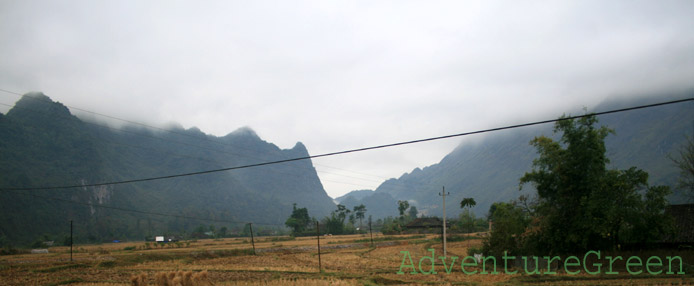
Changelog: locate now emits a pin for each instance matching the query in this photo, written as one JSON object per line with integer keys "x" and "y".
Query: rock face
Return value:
{"x": 489, "y": 169}
{"x": 378, "y": 205}
{"x": 42, "y": 144}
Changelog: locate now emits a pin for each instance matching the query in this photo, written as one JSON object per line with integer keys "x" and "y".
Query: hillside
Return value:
{"x": 377, "y": 204}
{"x": 42, "y": 144}
{"x": 488, "y": 169}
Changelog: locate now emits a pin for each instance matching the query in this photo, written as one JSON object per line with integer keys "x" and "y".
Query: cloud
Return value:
{"x": 339, "y": 75}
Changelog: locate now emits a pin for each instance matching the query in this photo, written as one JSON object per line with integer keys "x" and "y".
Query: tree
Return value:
{"x": 200, "y": 230}
{"x": 468, "y": 202}
{"x": 581, "y": 204}
{"x": 686, "y": 165}
{"x": 402, "y": 207}
{"x": 247, "y": 230}
{"x": 223, "y": 231}
{"x": 510, "y": 222}
{"x": 360, "y": 210}
{"x": 335, "y": 223}
{"x": 342, "y": 212}
{"x": 298, "y": 221}
{"x": 412, "y": 213}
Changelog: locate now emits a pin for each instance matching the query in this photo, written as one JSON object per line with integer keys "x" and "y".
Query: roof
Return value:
{"x": 425, "y": 222}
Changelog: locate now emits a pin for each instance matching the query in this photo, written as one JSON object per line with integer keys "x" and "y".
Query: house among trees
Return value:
{"x": 683, "y": 217}
{"x": 425, "y": 225}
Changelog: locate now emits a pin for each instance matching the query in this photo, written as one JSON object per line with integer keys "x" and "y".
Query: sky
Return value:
{"x": 339, "y": 75}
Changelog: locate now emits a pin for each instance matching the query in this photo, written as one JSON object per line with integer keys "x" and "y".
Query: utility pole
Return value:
{"x": 444, "y": 194}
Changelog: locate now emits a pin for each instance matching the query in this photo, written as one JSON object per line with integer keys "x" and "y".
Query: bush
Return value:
{"x": 510, "y": 222}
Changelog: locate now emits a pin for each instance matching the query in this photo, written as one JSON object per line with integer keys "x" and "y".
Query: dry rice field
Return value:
{"x": 345, "y": 260}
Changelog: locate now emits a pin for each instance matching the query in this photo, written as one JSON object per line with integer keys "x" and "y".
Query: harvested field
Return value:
{"x": 345, "y": 260}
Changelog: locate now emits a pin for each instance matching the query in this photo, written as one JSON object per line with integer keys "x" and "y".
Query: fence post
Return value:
{"x": 371, "y": 234}
{"x": 252, "y": 240}
{"x": 70, "y": 240}
{"x": 318, "y": 237}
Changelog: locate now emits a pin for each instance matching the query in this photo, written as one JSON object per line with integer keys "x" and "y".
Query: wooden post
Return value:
{"x": 371, "y": 233}
{"x": 252, "y": 240}
{"x": 70, "y": 240}
{"x": 318, "y": 236}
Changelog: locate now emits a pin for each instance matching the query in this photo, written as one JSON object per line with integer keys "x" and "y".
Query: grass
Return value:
{"x": 279, "y": 238}
{"x": 58, "y": 268}
{"x": 389, "y": 238}
{"x": 66, "y": 282}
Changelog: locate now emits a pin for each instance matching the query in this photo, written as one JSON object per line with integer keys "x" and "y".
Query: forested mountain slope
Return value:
{"x": 488, "y": 169}
{"x": 42, "y": 144}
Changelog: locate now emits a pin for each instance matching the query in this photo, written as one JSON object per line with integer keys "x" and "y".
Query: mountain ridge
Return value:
{"x": 64, "y": 150}
{"x": 488, "y": 169}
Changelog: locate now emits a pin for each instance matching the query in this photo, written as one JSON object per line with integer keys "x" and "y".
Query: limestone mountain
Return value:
{"x": 488, "y": 168}
{"x": 378, "y": 205}
{"x": 43, "y": 144}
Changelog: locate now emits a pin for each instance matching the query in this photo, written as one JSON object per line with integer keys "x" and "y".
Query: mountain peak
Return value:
{"x": 300, "y": 147}
{"x": 37, "y": 95}
{"x": 37, "y": 103}
{"x": 245, "y": 131}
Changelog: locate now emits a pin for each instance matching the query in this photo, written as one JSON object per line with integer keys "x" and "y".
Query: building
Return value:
{"x": 425, "y": 225}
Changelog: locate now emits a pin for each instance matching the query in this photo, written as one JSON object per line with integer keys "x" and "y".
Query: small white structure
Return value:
{"x": 39, "y": 251}
{"x": 159, "y": 238}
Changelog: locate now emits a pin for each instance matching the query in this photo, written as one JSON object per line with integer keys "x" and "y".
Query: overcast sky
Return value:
{"x": 344, "y": 74}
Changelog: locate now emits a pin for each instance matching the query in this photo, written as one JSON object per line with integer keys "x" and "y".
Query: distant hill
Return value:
{"x": 489, "y": 169}
{"x": 42, "y": 144}
{"x": 378, "y": 205}
{"x": 358, "y": 194}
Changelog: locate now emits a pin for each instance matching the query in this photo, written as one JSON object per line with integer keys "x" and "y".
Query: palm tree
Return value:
{"x": 359, "y": 211}
{"x": 468, "y": 202}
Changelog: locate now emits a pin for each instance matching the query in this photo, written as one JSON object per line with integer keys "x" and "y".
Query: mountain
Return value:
{"x": 358, "y": 195}
{"x": 488, "y": 169}
{"x": 377, "y": 204}
{"x": 43, "y": 144}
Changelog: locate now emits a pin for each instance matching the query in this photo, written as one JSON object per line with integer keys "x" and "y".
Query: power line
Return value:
{"x": 162, "y": 129}
{"x": 188, "y": 144}
{"x": 187, "y": 135}
{"x": 355, "y": 150}
{"x": 139, "y": 211}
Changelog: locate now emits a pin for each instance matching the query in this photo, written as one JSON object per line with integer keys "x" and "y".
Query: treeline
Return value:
{"x": 580, "y": 205}
{"x": 340, "y": 221}
{"x": 345, "y": 221}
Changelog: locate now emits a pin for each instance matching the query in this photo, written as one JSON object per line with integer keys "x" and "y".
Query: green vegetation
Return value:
{"x": 468, "y": 222}
{"x": 60, "y": 268}
{"x": 510, "y": 222}
{"x": 686, "y": 165}
{"x": 488, "y": 167}
{"x": 359, "y": 211}
{"x": 298, "y": 221}
{"x": 335, "y": 223}
{"x": 42, "y": 144}
{"x": 468, "y": 203}
{"x": 581, "y": 204}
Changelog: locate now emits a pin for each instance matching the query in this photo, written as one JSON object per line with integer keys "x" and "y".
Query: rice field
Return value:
{"x": 344, "y": 260}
